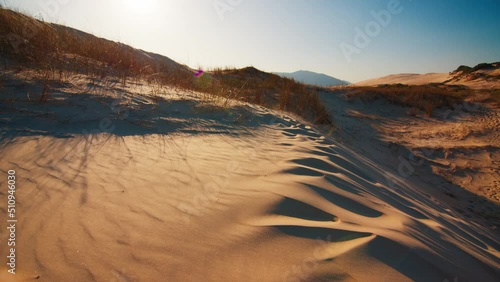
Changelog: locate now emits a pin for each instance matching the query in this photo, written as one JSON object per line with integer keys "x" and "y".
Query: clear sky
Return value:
{"x": 341, "y": 38}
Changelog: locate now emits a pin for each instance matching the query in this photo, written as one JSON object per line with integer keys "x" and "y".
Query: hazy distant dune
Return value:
{"x": 407, "y": 78}
{"x": 481, "y": 76}
{"x": 313, "y": 78}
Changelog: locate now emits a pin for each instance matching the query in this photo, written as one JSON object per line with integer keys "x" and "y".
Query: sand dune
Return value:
{"x": 407, "y": 78}
{"x": 184, "y": 190}
{"x": 483, "y": 76}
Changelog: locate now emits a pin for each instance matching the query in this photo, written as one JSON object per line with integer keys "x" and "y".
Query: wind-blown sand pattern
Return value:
{"x": 208, "y": 194}
{"x": 455, "y": 152}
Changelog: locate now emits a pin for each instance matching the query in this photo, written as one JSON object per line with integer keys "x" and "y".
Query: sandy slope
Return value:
{"x": 406, "y": 78}
{"x": 182, "y": 190}
{"x": 447, "y": 78}
{"x": 460, "y": 144}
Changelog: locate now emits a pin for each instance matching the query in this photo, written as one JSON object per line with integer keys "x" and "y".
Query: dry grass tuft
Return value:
{"x": 58, "y": 52}
{"x": 425, "y": 98}
{"x": 270, "y": 90}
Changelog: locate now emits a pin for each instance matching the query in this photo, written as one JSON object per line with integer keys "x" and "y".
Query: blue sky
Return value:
{"x": 288, "y": 35}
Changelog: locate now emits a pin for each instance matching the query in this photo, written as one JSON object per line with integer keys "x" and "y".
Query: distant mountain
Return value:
{"x": 313, "y": 78}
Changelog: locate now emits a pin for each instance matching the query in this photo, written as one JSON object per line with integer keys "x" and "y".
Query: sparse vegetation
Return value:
{"x": 482, "y": 66}
{"x": 59, "y": 51}
{"x": 270, "y": 90}
{"x": 45, "y": 95}
{"x": 424, "y": 98}
{"x": 32, "y": 43}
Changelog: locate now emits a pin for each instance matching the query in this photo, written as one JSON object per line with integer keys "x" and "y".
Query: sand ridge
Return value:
{"x": 212, "y": 194}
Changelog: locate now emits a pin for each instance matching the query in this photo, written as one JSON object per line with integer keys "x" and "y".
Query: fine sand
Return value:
{"x": 455, "y": 153}
{"x": 124, "y": 186}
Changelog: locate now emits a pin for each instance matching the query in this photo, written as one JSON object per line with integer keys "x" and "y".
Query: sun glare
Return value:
{"x": 139, "y": 6}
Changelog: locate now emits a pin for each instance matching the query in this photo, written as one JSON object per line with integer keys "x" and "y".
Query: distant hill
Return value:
{"x": 313, "y": 78}
{"x": 481, "y": 76}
